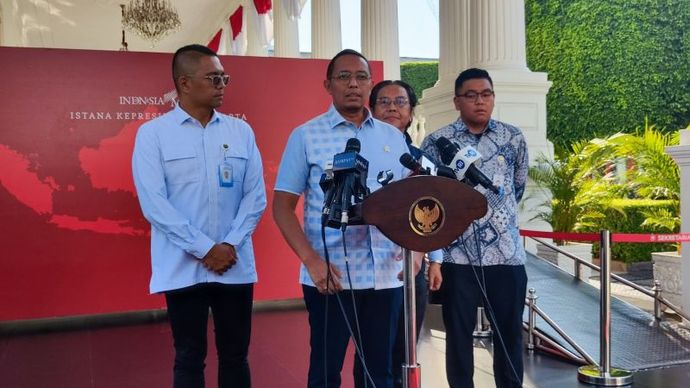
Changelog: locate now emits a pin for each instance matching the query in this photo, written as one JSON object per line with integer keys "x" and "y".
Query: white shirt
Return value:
{"x": 176, "y": 166}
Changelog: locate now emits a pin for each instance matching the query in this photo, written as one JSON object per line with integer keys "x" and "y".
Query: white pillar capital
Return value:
{"x": 498, "y": 34}
{"x": 454, "y": 39}
{"x": 380, "y": 35}
{"x": 256, "y": 33}
{"x": 325, "y": 28}
{"x": 285, "y": 32}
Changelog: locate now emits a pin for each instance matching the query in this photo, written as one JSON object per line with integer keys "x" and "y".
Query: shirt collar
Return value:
{"x": 180, "y": 115}
{"x": 334, "y": 118}
{"x": 461, "y": 126}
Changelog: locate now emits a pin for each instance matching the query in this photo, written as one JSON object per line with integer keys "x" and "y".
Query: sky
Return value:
{"x": 417, "y": 23}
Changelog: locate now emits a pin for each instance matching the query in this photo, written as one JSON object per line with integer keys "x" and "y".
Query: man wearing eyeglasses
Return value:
{"x": 485, "y": 266}
{"x": 199, "y": 180}
{"x": 365, "y": 281}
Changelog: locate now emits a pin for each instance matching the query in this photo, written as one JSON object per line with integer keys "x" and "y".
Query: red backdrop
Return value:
{"x": 72, "y": 236}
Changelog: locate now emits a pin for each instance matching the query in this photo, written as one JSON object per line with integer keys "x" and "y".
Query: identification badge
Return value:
{"x": 225, "y": 174}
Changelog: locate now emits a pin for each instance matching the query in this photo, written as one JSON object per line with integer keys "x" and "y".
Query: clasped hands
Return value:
{"x": 434, "y": 276}
{"x": 220, "y": 258}
{"x": 325, "y": 284}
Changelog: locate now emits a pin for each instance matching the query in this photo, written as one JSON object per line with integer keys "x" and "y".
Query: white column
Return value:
{"x": 454, "y": 38}
{"x": 2, "y": 26}
{"x": 498, "y": 28}
{"x": 285, "y": 32}
{"x": 256, "y": 45}
{"x": 437, "y": 107}
{"x": 225, "y": 44}
{"x": 490, "y": 34}
{"x": 681, "y": 154}
{"x": 325, "y": 28}
{"x": 380, "y": 35}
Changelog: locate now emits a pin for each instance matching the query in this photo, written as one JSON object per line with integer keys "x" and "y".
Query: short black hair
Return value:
{"x": 471, "y": 73}
{"x": 331, "y": 64}
{"x": 184, "y": 56}
{"x": 411, "y": 95}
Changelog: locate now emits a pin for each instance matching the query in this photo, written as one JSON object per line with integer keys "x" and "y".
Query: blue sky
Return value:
{"x": 417, "y": 21}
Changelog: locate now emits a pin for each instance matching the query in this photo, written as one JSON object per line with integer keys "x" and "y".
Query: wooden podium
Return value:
{"x": 421, "y": 213}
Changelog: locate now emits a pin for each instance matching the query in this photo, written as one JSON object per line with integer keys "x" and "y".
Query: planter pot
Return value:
{"x": 617, "y": 267}
{"x": 667, "y": 271}
{"x": 583, "y": 251}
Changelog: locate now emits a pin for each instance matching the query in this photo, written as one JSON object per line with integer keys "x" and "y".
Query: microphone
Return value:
{"x": 462, "y": 163}
{"x": 328, "y": 187}
{"x": 445, "y": 172}
{"x": 413, "y": 165}
{"x": 427, "y": 167}
{"x": 350, "y": 174}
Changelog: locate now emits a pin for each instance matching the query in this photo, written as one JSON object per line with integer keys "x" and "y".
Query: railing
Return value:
{"x": 601, "y": 373}
{"x": 655, "y": 293}
{"x": 533, "y": 334}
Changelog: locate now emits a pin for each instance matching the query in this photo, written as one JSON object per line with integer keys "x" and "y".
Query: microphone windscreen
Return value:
{"x": 408, "y": 161}
{"x": 446, "y": 149}
{"x": 353, "y": 145}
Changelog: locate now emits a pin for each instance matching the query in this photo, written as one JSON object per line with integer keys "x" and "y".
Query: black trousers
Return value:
{"x": 377, "y": 313}
{"x": 505, "y": 288}
{"x": 421, "y": 292}
{"x": 231, "y": 307}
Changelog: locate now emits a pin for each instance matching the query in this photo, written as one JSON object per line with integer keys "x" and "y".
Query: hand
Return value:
{"x": 416, "y": 266}
{"x": 318, "y": 271}
{"x": 435, "y": 277}
{"x": 220, "y": 258}
{"x": 417, "y": 258}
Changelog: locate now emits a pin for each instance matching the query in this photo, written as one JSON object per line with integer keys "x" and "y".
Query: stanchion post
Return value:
{"x": 482, "y": 329}
{"x": 657, "y": 304}
{"x": 532, "y": 319}
{"x": 411, "y": 369}
{"x": 603, "y": 374}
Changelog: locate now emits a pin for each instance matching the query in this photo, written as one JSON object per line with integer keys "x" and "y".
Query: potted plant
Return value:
{"x": 656, "y": 176}
{"x": 558, "y": 181}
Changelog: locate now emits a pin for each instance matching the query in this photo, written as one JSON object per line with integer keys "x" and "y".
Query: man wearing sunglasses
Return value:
{"x": 199, "y": 180}
{"x": 485, "y": 266}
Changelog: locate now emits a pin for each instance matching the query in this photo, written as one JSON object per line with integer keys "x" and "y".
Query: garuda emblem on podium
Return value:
{"x": 426, "y": 216}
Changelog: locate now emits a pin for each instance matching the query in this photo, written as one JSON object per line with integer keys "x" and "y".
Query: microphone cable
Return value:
{"x": 482, "y": 288}
{"x": 325, "y": 315}
{"x": 358, "y": 348}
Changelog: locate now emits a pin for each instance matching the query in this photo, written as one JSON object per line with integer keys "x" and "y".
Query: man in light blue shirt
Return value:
{"x": 199, "y": 180}
{"x": 372, "y": 264}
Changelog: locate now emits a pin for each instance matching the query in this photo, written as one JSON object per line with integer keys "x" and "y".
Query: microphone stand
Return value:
{"x": 411, "y": 370}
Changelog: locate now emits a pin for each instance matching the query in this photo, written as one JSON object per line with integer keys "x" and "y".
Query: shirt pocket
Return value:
{"x": 181, "y": 165}
{"x": 238, "y": 160}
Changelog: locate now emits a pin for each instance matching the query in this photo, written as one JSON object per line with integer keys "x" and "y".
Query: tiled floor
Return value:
{"x": 141, "y": 356}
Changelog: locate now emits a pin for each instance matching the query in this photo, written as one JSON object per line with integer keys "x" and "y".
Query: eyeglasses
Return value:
{"x": 399, "y": 101}
{"x": 346, "y": 77}
{"x": 216, "y": 79}
{"x": 474, "y": 96}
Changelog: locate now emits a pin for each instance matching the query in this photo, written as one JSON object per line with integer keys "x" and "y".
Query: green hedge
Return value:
{"x": 612, "y": 64}
{"x": 420, "y": 75}
{"x": 631, "y": 223}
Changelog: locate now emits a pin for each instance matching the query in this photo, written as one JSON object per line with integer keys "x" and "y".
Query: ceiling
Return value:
{"x": 95, "y": 24}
